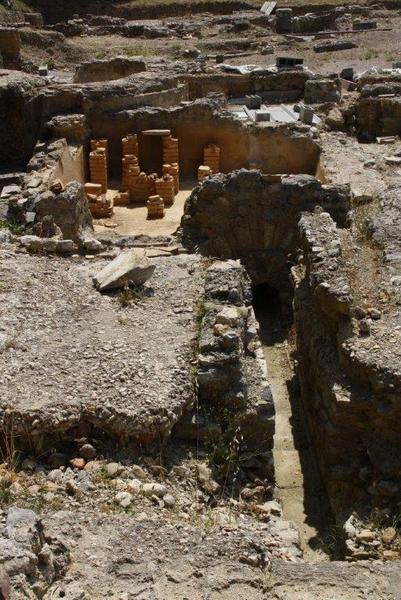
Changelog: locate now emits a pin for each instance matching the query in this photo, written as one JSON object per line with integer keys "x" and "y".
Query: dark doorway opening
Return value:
{"x": 266, "y": 297}
{"x": 151, "y": 154}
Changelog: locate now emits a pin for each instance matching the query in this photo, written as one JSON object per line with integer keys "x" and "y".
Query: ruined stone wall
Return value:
{"x": 59, "y": 10}
{"x": 104, "y": 70}
{"x": 280, "y": 86}
{"x": 378, "y": 116}
{"x": 114, "y": 96}
{"x": 247, "y": 215}
{"x": 234, "y": 396}
{"x": 20, "y": 115}
{"x": 231, "y": 365}
{"x": 275, "y": 148}
{"x": 348, "y": 369}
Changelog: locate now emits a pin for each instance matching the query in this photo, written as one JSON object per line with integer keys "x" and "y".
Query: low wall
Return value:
{"x": 93, "y": 100}
{"x": 55, "y": 11}
{"x": 275, "y": 85}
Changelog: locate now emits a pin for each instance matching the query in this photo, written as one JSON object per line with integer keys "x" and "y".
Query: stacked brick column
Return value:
{"x": 211, "y": 157}
{"x": 129, "y": 162}
{"x": 173, "y": 170}
{"x": 130, "y": 144}
{"x": 100, "y": 206}
{"x": 155, "y": 206}
{"x": 121, "y": 199}
{"x": 165, "y": 189}
{"x": 141, "y": 186}
{"x": 170, "y": 150}
{"x": 203, "y": 172}
{"x": 98, "y": 163}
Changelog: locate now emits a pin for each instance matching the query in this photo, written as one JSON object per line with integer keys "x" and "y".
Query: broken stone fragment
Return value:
{"x": 365, "y": 536}
{"x": 124, "y": 499}
{"x": 169, "y": 501}
{"x": 228, "y": 316}
{"x": 365, "y": 326}
{"x": 388, "y": 535}
{"x": 154, "y": 489}
{"x": 87, "y": 451}
{"x": 129, "y": 268}
{"x": 114, "y": 469}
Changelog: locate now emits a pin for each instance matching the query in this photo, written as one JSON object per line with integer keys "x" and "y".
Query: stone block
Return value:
{"x": 306, "y": 115}
{"x": 131, "y": 267}
{"x": 284, "y": 20}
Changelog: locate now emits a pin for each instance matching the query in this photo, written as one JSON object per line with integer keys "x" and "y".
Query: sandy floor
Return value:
{"x": 299, "y": 487}
{"x": 132, "y": 220}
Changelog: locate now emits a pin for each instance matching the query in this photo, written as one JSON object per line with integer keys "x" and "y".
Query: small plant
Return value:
{"x": 131, "y": 295}
{"x": 6, "y": 496}
{"x": 139, "y": 50}
{"x": 8, "y": 448}
{"x": 100, "y": 55}
{"x": 12, "y": 226}
{"x": 370, "y": 53}
{"x": 50, "y": 63}
{"x": 10, "y": 343}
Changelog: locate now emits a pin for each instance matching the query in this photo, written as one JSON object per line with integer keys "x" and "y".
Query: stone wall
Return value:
{"x": 348, "y": 363}
{"x": 52, "y": 163}
{"x": 278, "y": 148}
{"x": 20, "y": 115}
{"x": 235, "y": 405}
{"x": 378, "y": 116}
{"x": 274, "y": 86}
{"x": 253, "y": 217}
{"x": 106, "y": 70}
{"x": 58, "y": 10}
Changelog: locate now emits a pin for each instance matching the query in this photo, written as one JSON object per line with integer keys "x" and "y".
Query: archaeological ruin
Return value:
{"x": 200, "y": 323}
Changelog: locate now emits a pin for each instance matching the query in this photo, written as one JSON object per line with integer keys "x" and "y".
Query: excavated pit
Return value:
{"x": 298, "y": 482}
{"x": 258, "y": 230}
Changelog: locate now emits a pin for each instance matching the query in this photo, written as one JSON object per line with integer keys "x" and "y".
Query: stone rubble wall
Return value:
{"x": 348, "y": 370}
{"x": 244, "y": 215}
{"x": 53, "y": 164}
{"x": 106, "y": 70}
{"x": 231, "y": 374}
{"x": 20, "y": 114}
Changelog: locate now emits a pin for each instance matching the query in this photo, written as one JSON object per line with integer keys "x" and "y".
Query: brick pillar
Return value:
{"x": 211, "y": 157}
{"x": 165, "y": 189}
{"x": 170, "y": 150}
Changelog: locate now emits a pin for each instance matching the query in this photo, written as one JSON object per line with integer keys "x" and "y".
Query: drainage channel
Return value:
{"x": 298, "y": 483}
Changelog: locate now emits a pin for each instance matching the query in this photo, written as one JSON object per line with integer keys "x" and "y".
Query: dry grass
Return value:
{"x": 18, "y": 5}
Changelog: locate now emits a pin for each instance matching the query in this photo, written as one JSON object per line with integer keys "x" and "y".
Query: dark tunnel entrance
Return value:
{"x": 266, "y": 297}
{"x": 269, "y": 312}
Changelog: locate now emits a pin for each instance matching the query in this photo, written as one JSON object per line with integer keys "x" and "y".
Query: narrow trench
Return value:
{"x": 298, "y": 483}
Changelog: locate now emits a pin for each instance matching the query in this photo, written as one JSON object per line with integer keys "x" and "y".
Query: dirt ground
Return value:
{"x": 374, "y": 47}
{"x": 132, "y": 220}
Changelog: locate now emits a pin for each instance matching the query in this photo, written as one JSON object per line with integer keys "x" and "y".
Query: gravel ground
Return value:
{"x": 70, "y": 354}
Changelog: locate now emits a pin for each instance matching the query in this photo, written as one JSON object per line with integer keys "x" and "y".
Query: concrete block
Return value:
{"x": 262, "y": 115}
{"x": 306, "y": 115}
{"x": 288, "y": 62}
